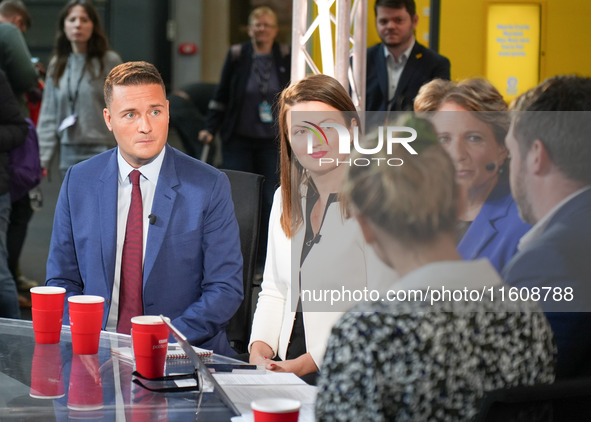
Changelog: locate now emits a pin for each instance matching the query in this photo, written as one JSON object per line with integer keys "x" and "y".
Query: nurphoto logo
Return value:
{"x": 388, "y": 135}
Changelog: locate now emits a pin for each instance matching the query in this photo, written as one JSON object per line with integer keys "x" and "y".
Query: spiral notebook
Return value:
{"x": 174, "y": 352}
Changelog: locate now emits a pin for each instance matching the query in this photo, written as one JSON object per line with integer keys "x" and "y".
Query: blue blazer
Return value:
{"x": 561, "y": 258}
{"x": 192, "y": 263}
{"x": 496, "y": 230}
{"x": 423, "y": 65}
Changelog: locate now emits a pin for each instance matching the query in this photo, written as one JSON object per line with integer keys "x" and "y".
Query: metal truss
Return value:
{"x": 343, "y": 58}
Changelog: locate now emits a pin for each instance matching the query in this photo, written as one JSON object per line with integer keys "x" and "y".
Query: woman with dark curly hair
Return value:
{"x": 72, "y": 107}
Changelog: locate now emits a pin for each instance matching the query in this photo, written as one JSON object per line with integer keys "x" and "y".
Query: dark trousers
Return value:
{"x": 260, "y": 156}
{"x": 20, "y": 215}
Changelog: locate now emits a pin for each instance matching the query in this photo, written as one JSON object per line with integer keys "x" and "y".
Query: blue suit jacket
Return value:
{"x": 423, "y": 65}
{"x": 561, "y": 257}
{"x": 496, "y": 230}
{"x": 192, "y": 263}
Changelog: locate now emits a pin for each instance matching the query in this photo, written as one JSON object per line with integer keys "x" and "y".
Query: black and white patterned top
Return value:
{"x": 415, "y": 362}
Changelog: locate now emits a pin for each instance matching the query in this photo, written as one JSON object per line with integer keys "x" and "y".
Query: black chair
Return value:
{"x": 247, "y": 194}
{"x": 564, "y": 400}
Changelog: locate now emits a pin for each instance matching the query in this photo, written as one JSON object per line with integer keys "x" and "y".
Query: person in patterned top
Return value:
{"x": 417, "y": 359}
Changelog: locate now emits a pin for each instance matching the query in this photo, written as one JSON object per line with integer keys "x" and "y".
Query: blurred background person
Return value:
{"x": 399, "y": 65}
{"x": 471, "y": 123}
{"x": 26, "y": 83}
{"x": 254, "y": 73}
{"x": 13, "y": 130}
{"x": 188, "y": 107}
{"x": 308, "y": 225}
{"x": 72, "y": 108}
{"x": 15, "y": 58}
{"x": 410, "y": 360}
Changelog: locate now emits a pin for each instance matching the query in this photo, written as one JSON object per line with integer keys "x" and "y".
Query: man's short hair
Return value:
{"x": 409, "y": 5}
{"x": 132, "y": 73}
{"x": 552, "y": 113}
{"x": 10, "y": 8}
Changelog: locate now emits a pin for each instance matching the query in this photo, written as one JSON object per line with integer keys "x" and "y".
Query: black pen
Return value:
{"x": 229, "y": 367}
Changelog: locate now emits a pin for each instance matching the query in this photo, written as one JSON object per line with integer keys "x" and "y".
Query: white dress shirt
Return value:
{"x": 148, "y": 181}
{"x": 395, "y": 68}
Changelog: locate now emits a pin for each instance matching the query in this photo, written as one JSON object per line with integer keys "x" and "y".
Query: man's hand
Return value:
{"x": 205, "y": 136}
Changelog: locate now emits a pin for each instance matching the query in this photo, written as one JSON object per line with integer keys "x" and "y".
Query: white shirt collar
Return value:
{"x": 539, "y": 228}
{"x": 150, "y": 171}
{"x": 403, "y": 57}
{"x": 453, "y": 275}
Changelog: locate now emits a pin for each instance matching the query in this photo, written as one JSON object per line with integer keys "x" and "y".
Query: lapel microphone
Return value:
{"x": 314, "y": 240}
{"x": 152, "y": 219}
{"x": 491, "y": 166}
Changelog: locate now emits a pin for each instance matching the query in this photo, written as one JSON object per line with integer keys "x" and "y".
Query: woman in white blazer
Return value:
{"x": 318, "y": 264}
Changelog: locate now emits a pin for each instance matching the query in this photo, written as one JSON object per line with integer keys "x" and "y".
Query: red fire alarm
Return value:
{"x": 188, "y": 48}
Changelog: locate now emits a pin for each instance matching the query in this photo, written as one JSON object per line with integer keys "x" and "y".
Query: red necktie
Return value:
{"x": 130, "y": 286}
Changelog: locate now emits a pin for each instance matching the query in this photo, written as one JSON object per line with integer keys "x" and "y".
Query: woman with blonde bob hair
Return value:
{"x": 313, "y": 245}
{"x": 472, "y": 119}
{"x": 411, "y": 357}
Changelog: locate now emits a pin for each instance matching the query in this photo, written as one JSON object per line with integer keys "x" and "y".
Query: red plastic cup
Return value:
{"x": 85, "y": 392}
{"x": 276, "y": 410}
{"x": 86, "y": 320}
{"x": 48, "y": 313}
{"x": 46, "y": 372}
{"x": 150, "y": 344}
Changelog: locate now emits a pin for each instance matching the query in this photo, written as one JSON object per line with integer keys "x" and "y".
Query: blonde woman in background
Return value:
{"x": 471, "y": 119}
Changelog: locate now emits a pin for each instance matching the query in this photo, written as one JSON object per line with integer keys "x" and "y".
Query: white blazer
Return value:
{"x": 339, "y": 263}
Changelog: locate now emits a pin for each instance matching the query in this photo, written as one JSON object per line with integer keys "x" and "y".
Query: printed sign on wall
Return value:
{"x": 513, "y": 47}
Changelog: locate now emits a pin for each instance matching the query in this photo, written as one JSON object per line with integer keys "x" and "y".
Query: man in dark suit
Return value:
{"x": 551, "y": 182}
{"x": 399, "y": 65}
{"x": 189, "y": 265}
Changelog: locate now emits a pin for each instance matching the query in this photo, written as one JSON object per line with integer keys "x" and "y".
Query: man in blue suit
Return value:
{"x": 551, "y": 183}
{"x": 192, "y": 265}
{"x": 399, "y": 65}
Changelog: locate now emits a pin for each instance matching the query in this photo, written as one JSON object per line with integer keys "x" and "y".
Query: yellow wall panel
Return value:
{"x": 565, "y": 37}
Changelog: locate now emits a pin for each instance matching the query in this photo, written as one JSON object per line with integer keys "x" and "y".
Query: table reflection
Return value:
{"x": 49, "y": 382}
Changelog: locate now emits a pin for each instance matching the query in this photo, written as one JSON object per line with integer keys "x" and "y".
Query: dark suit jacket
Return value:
{"x": 13, "y": 130}
{"x": 561, "y": 257}
{"x": 192, "y": 263}
{"x": 224, "y": 110}
{"x": 423, "y": 65}
{"x": 496, "y": 230}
